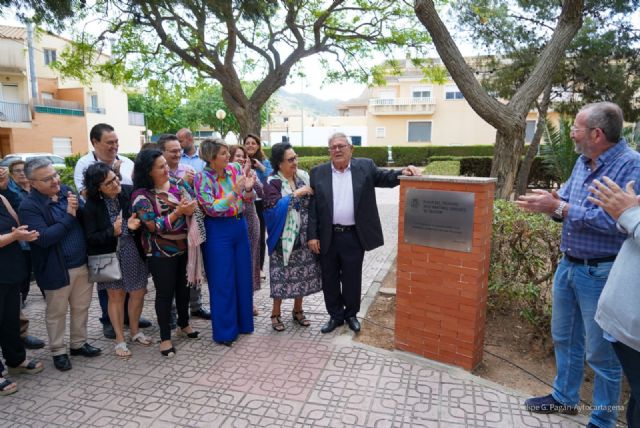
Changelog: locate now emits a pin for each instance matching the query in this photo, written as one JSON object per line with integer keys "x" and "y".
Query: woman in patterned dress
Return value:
{"x": 110, "y": 225}
{"x": 294, "y": 269}
{"x": 223, "y": 189}
{"x": 163, "y": 206}
{"x": 239, "y": 154}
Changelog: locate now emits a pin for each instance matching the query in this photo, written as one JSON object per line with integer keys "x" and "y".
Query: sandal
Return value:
{"x": 122, "y": 351}
{"x": 300, "y": 318}
{"x": 277, "y": 325}
{"x": 191, "y": 335}
{"x": 29, "y": 367}
{"x": 169, "y": 353}
{"x": 6, "y": 387}
{"x": 141, "y": 339}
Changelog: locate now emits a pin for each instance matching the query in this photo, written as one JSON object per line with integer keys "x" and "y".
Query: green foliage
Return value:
{"x": 447, "y": 167}
{"x": 524, "y": 255}
{"x": 52, "y": 12}
{"x": 131, "y": 156}
{"x": 72, "y": 160}
{"x": 540, "y": 175}
{"x": 559, "y": 153}
{"x": 66, "y": 176}
{"x": 308, "y": 162}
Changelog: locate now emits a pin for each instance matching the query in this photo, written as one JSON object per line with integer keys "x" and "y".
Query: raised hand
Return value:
{"x": 611, "y": 198}
{"x": 22, "y": 233}
{"x": 188, "y": 177}
{"x": 238, "y": 187}
{"x": 72, "y": 204}
{"x": 186, "y": 207}
{"x": 117, "y": 226}
{"x": 249, "y": 181}
{"x": 133, "y": 223}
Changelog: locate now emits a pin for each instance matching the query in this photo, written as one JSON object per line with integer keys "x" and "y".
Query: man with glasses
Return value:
{"x": 590, "y": 242}
{"x": 344, "y": 223}
{"x": 170, "y": 147}
{"x": 59, "y": 260}
{"x": 105, "y": 149}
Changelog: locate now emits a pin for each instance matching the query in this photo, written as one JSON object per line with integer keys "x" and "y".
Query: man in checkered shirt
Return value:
{"x": 590, "y": 243}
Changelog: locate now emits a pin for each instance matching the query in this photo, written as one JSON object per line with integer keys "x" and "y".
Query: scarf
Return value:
{"x": 196, "y": 235}
{"x": 292, "y": 222}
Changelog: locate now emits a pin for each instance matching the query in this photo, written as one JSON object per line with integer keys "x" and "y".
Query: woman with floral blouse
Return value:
{"x": 163, "y": 205}
{"x": 222, "y": 190}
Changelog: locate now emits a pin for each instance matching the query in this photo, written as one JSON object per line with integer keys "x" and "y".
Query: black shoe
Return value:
{"x": 62, "y": 362}
{"x": 202, "y": 313}
{"x": 227, "y": 343}
{"x": 142, "y": 323}
{"x": 108, "y": 331}
{"x": 86, "y": 350}
{"x": 169, "y": 353}
{"x": 548, "y": 404}
{"x": 331, "y": 325}
{"x": 32, "y": 342}
{"x": 353, "y": 324}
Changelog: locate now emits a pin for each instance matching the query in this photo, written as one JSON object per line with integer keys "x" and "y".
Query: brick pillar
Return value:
{"x": 442, "y": 294}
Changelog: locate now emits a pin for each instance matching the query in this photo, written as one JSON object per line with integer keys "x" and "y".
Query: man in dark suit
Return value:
{"x": 344, "y": 223}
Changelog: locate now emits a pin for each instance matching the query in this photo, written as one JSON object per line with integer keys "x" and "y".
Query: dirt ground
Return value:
{"x": 513, "y": 356}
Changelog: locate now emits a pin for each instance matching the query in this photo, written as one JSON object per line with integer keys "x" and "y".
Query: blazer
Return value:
{"x": 98, "y": 228}
{"x": 46, "y": 253}
{"x": 365, "y": 177}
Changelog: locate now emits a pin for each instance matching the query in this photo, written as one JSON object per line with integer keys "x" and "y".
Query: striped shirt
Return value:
{"x": 588, "y": 231}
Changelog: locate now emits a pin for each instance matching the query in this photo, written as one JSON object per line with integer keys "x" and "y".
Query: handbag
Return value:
{"x": 104, "y": 267}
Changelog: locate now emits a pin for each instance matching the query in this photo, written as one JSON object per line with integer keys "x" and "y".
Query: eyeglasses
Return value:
{"x": 576, "y": 129}
{"x": 48, "y": 179}
{"x": 292, "y": 159}
{"x": 111, "y": 182}
{"x": 338, "y": 147}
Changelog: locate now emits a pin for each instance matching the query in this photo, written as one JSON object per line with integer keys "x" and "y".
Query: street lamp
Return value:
{"x": 220, "y": 115}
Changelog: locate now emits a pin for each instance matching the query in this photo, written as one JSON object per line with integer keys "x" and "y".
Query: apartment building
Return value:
{"x": 410, "y": 110}
{"x": 43, "y": 112}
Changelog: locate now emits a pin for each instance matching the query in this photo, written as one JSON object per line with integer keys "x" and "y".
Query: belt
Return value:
{"x": 590, "y": 262}
{"x": 342, "y": 228}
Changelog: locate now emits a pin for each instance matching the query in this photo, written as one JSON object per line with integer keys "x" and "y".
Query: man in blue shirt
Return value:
{"x": 189, "y": 152}
{"x": 59, "y": 260}
{"x": 590, "y": 243}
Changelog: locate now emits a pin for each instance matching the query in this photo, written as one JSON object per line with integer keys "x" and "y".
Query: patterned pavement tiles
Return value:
{"x": 300, "y": 377}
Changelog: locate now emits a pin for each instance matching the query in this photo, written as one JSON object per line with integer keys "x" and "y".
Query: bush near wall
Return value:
{"x": 66, "y": 176}
{"x": 525, "y": 251}
{"x": 308, "y": 162}
{"x": 480, "y": 166}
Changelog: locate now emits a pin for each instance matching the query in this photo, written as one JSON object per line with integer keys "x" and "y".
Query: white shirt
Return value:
{"x": 126, "y": 169}
{"x": 343, "y": 210}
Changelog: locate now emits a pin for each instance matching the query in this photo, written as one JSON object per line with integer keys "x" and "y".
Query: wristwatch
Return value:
{"x": 558, "y": 213}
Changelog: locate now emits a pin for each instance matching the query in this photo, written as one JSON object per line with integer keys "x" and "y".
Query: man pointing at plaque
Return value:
{"x": 344, "y": 223}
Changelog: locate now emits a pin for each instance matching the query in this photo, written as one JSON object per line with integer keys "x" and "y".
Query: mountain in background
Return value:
{"x": 312, "y": 105}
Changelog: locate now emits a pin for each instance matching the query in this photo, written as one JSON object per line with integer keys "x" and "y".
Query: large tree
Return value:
{"x": 601, "y": 63}
{"x": 51, "y": 12}
{"x": 228, "y": 41}
{"x": 509, "y": 119}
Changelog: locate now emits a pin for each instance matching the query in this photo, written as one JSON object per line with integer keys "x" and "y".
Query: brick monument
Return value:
{"x": 442, "y": 280}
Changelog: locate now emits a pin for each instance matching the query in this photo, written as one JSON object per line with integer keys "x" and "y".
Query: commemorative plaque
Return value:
{"x": 439, "y": 219}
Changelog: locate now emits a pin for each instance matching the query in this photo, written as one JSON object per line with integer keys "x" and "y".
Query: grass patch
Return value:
{"x": 443, "y": 168}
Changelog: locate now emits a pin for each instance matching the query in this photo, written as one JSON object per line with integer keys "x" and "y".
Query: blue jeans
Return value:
{"x": 576, "y": 290}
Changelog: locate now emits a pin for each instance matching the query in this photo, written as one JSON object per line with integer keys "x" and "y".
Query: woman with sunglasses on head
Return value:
{"x": 111, "y": 227}
{"x": 293, "y": 269}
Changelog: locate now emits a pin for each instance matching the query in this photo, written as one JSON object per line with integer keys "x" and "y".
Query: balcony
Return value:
{"x": 398, "y": 106}
{"x": 136, "y": 119}
{"x": 14, "y": 112}
{"x": 54, "y": 106}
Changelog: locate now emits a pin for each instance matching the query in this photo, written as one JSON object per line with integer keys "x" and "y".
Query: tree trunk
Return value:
{"x": 506, "y": 154}
{"x": 525, "y": 168}
{"x": 248, "y": 114}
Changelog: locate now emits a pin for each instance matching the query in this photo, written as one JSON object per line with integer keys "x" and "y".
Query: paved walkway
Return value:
{"x": 268, "y": 379}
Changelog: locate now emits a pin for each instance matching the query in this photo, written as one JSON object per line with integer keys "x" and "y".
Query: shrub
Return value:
{"x": 476, "y": 166}
{"x": 308, "y": 162}
{"x": 131, "y": 156}
{"x": 66, "y": 176}
{"x": 447, "y": 167}
{"x": 524, "y": 255}
{"x": 72, "y": 160}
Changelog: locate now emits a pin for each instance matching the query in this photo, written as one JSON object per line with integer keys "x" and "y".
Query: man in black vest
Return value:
{"x": 344, "y": 223}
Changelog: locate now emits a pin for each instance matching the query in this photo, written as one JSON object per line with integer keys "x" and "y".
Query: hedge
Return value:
{"x": 308, "y": 162}
{"x": 480, "y": 166}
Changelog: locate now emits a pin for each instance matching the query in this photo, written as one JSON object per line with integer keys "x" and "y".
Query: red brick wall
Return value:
{"x": 442, "y": 294}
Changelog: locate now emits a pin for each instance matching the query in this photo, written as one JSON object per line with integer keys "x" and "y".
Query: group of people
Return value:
{"x": 175, "y": 213}
{"x": 596, "y": 297}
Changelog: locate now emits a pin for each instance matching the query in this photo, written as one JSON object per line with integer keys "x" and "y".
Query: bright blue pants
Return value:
{"x": 227, "y": 261}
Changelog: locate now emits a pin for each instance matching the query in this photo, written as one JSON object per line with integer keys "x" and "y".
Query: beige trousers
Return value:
{"x": 77, "y": 297}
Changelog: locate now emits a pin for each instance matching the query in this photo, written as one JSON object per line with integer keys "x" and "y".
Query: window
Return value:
{"x": 531, "y": 129}
{"x": 451, "y": 92}
{"x": 49, "y": 56}
{"x": 62, "y": 146}
{"x": 380, "y": 132}
{"x": 386, "y": 97}
{"x": 421, "y": 92}
{"x": 46, "y": 95}
{"x": 419, "y": 132}
{"x": 9, "y": 93}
